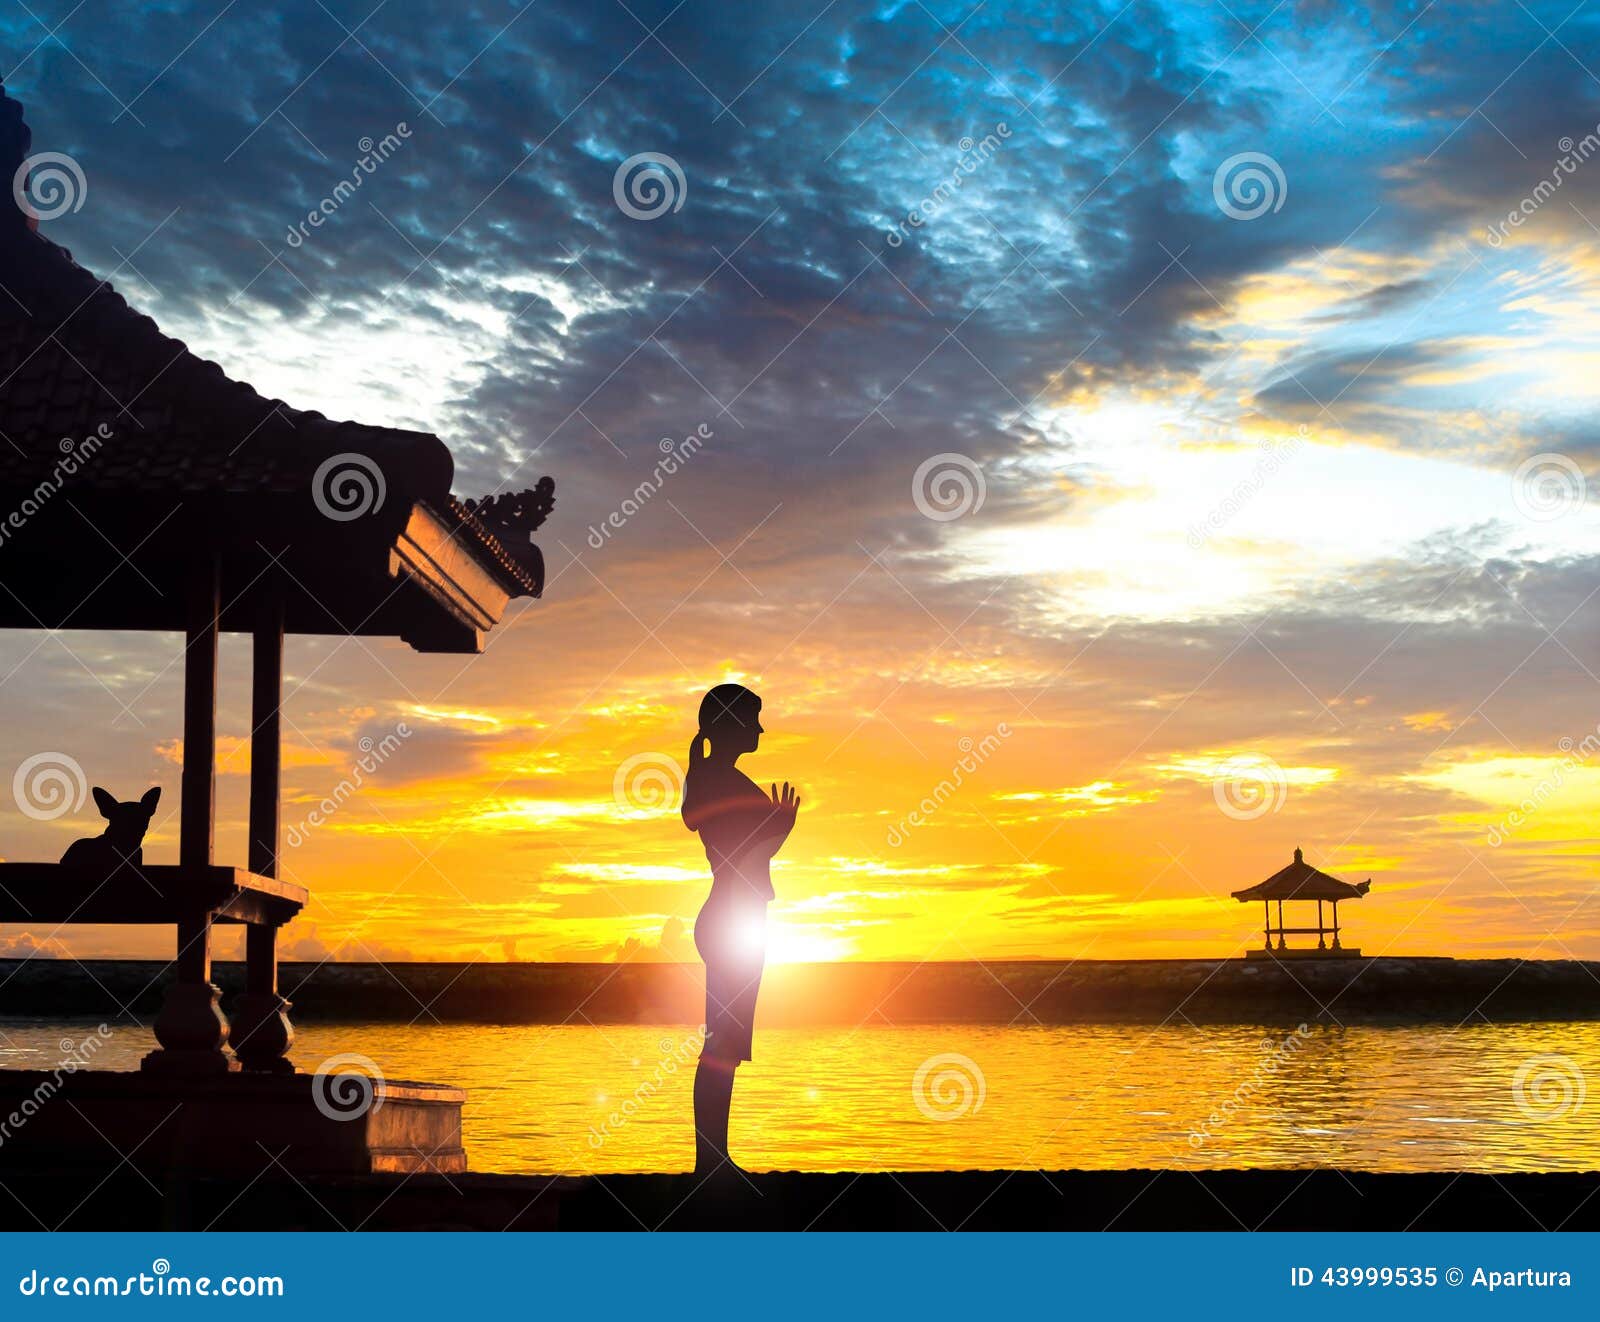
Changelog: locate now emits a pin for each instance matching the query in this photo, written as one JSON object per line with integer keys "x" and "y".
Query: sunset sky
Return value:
{"x": 1285, "y": 535}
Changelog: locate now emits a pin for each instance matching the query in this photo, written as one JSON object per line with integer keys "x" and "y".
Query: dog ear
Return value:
{"x": 103, "y": 801}
{"x": 150, "y": 799}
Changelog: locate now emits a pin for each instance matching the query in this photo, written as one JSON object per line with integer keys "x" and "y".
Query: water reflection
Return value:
{"x": 1491, "y": 1097}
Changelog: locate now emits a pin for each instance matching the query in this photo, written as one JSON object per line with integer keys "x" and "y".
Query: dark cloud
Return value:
{"x": 1385, "y": 298}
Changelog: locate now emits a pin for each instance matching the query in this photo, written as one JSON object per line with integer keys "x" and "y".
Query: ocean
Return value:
{"x": 614, "y": 1098}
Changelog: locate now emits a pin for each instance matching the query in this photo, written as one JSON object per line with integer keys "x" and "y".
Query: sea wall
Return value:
{"x": 1024, "y": 992}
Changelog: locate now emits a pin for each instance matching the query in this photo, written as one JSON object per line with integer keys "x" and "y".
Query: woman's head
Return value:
{"x": 730, "y": 715}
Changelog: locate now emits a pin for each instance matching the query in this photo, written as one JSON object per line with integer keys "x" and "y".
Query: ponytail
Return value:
{"x": 699, "y": 754}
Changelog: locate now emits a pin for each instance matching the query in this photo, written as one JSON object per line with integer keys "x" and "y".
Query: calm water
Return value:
{"x": 1492, "y": 1097}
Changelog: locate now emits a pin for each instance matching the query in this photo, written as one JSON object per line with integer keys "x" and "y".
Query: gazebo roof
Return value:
{"x": 1301, "y": 881}
{"x": 173, "y": 458}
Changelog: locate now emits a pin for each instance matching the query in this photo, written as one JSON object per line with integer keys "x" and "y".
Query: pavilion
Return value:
{"x": 1300, "y": 881}
{"x": 142, "y": 488}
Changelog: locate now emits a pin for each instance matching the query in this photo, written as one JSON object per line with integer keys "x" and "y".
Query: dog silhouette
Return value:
{"x": 123, "y": 839}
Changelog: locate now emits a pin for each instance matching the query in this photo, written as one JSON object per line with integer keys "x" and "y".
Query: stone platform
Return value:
{"x": 1285, "y": 956}
{"x": 229, "y": 1125}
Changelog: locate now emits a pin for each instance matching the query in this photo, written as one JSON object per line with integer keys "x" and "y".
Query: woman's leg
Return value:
{"x": 713, "y": 1096}
{"x": 730, "y": 1007}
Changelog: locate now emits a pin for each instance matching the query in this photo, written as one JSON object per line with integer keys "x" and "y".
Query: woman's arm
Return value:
{"x": 784, "y": 808}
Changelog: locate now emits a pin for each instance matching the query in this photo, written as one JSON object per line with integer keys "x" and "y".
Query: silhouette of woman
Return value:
{"x": 741, "y": 828}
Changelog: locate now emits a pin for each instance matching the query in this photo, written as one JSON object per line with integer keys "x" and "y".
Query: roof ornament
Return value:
{"x": 513, "y": 517}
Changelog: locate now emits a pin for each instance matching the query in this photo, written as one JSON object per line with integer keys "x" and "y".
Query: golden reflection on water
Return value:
{"x": 615, "y": 1098}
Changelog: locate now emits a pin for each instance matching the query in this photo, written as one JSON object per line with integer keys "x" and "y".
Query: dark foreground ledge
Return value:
{"x": 1325, "y": 1200}
{"x": 1389, "y": 988}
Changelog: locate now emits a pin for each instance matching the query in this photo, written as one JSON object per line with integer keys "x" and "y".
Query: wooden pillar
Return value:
{"x": 1266, "y": 921}
{"x": 1336, "y": 925}
{"x": 1281, "y": 942}
{"x": 1321, "y": 945}
{"x": 197, "y": 823}
{"x": 266, "y": 749}
{"x": 262, "y": 1034}
{"x": 191, "y": 1028}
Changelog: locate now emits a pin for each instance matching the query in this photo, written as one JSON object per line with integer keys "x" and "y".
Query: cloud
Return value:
{"x": 1078, "y": 318}
{"x": 674, "y": 945}
{"x": 25, "y": 945}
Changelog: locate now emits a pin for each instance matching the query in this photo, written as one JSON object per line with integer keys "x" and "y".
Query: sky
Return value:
{"x": 1120, "y": 443}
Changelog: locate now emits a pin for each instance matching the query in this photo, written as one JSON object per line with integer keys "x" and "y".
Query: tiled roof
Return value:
{"x": 1301, "y": 881}
{"x": 75, "y": 357}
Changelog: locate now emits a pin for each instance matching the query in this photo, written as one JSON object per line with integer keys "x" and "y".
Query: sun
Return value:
{"x": 788, "y": 943}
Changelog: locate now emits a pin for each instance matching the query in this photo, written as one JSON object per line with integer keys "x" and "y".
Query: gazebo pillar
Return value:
{"x": 1336, "y": 945}
{"x": 1321, "y": 944}
{"x": 191, "y": 1028}
{"x": 262, "y": 1034}
{"x": 1282, "y": 944}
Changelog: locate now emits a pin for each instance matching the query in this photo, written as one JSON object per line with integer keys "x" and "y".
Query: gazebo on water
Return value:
{"x": 143, "y": 489}
{"x": 1300, "y": 881}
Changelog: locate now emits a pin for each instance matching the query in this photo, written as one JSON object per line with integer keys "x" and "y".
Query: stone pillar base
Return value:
{"x": 262, "y": 1034}
{"x": 192, "y": 1031}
